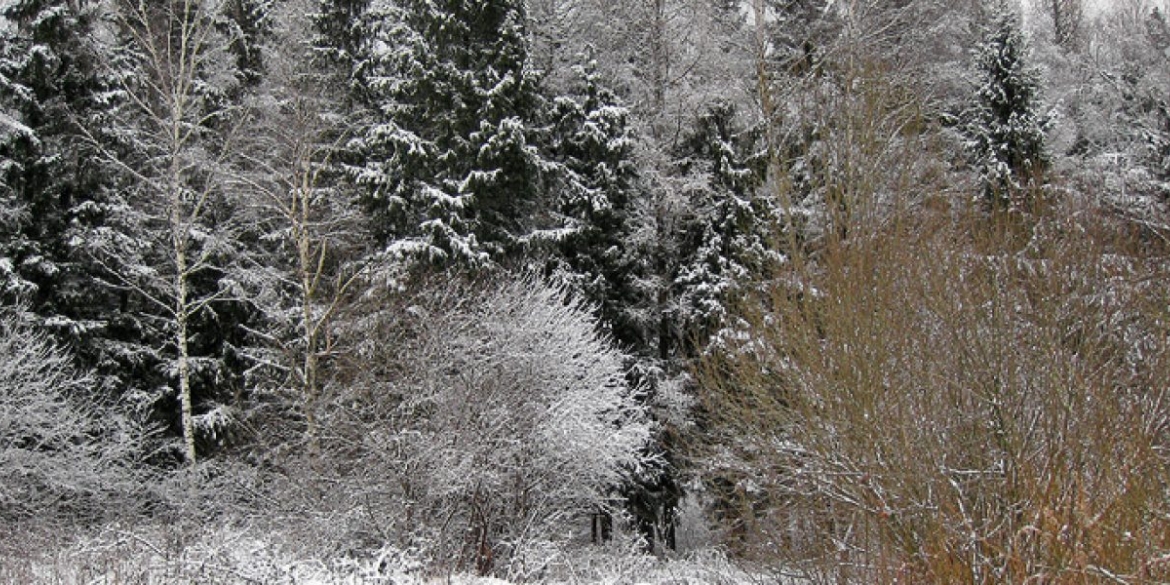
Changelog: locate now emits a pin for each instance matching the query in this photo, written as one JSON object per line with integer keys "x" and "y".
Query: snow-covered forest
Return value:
{"x": 584, "y": 291}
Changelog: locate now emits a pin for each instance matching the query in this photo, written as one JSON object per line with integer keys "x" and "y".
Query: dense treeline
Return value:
{"x": 866, "y": 290}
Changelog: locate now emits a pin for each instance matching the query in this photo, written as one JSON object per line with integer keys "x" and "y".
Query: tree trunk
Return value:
{"x": 181, "y": 341}
{"x": 660, "y": 53}
{"x": 310, "y": 272}
{"x": 1066, "y": 21}
{"x": 179, "y": 245}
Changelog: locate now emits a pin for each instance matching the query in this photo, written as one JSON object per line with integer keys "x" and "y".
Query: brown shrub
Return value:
{"x": 972, "y": 400}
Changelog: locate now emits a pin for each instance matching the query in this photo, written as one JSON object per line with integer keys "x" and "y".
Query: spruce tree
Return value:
{"x": 248, "y": 24}
{"x": 48, "y": 80}
{"x": 340, "y": 36}
{"x": 56, "y": 91}
{"x": 597, "y": 189}
{"x": 1006, "y": 130}
{"x": 447, "y": 158}
{"x": 725, "y": 238}
{"x": 716, "y": 244}
{"x": 799, "y": 35}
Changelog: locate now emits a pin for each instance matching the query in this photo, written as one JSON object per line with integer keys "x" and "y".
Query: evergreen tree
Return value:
{"x": 725, "y": 240}
{"x": 48, "y": 79}
{"x": 339, "y": 30}
{"x": 599, "y": 194}
{"x": 716, "y": 244}
{"x": 800, "y": 33}
{"x": 340, "y": 40}
{"x": 248, "y": 24}
{"x": 56, "y": 92}
{"x": 448, "y": 157}
{"x": 590, "y": 139}
{"x": 1006, "y": 130}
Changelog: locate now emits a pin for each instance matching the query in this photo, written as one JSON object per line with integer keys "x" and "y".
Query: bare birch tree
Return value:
{"x": 171, "y": 233}
{"x": 298, "y": 199}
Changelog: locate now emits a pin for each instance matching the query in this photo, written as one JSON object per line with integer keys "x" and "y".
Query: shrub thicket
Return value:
{"x": 976, "y": 400}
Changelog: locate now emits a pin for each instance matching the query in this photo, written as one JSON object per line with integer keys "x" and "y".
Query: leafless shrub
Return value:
{"x": 980, "y": 400}
{"x": 63, "y": 454}
{"x": 478, "y": 423}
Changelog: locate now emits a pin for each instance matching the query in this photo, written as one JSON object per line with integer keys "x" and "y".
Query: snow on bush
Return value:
{"x": 486, "y": 420}
{"x": 59, "y": 452}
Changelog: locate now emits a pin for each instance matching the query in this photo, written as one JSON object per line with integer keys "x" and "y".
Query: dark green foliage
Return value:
{"x": 725, "y": 240}
{"x": 1006, "y": 130}
{"x": 800, "y": 35}
{"x": 446, "y": 155}
{"x": 340, "y": 34}
{"x": 718, "y": 244}
{"x": 590, "y": 138}
{"x": 47, "y": 80}
{"x": 248, "y": 23}
{"x": 55, "y": 98}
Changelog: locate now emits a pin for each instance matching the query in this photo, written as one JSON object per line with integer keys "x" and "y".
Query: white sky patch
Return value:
{"x": 1097, "y": 7}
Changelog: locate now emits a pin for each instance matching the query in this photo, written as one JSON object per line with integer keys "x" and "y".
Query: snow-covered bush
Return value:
{"x": 483, "y": 422}
{"x": 59, "y": 450}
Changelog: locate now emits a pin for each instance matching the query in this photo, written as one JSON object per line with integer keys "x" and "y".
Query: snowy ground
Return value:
{"x": 118, "y": 556}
